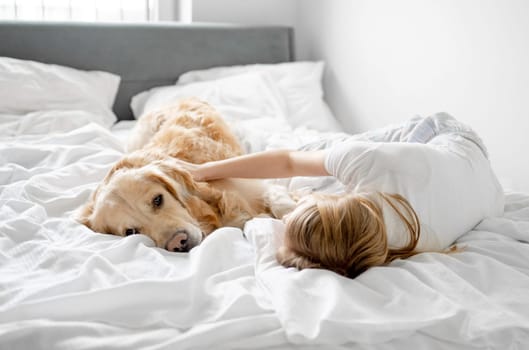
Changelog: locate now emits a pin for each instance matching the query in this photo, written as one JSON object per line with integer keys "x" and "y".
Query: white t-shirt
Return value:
{"x": 448, "y": 182}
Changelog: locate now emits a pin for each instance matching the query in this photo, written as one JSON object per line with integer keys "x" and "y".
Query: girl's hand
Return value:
{"x": 193, "y": 169}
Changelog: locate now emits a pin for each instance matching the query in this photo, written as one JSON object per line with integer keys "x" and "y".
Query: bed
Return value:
{"x": 63, "y": 286}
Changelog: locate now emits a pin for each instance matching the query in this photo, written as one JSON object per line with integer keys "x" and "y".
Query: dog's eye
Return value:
{"x": 157, "y": 201}
{"x": 131, "y": 231}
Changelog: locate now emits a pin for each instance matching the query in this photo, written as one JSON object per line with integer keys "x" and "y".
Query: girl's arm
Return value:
{"x": 263, "y": 165}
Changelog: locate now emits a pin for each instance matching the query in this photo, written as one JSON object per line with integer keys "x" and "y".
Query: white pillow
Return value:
{"x": 29, "y": 86}
{"x": 241, "y": 97}
{"x": 298, "y": 82}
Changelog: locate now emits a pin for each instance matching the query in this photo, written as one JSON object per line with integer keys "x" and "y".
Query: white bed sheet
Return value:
{"x": 65, "y": 287}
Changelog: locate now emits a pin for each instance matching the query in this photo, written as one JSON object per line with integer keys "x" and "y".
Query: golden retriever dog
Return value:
{"x": 148, "y": 192}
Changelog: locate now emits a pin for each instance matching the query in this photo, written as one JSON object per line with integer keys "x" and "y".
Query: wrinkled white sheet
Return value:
{"x": 65, "y": 287}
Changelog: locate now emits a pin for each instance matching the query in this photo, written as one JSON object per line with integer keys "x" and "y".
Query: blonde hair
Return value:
{"x": 345, "y": 234}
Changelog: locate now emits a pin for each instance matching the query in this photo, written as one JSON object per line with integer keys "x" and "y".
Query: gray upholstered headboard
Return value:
{"x": 144, "y": 55}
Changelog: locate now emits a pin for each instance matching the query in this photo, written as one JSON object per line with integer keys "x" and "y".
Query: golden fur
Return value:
{"x": 147, "y": 192}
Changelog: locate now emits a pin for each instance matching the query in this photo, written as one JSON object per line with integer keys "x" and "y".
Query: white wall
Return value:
{"x": 388, "y": 60}
{"x": 167, "y": 10}
{"x": 261, "y": 12}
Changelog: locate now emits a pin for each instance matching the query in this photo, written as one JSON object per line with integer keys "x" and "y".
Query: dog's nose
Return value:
{"x": 178, "y": 243}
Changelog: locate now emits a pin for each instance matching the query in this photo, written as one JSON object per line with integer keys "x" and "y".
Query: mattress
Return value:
{"x": 63, "y": 286}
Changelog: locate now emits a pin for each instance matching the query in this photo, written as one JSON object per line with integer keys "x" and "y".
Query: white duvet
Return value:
{"x": 65, "y": 287}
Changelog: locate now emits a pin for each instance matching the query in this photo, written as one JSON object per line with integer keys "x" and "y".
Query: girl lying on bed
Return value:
{"x": 411, "y": 188}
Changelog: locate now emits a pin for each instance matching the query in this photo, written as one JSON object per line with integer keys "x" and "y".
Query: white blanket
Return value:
{"x": 65, "y": 287}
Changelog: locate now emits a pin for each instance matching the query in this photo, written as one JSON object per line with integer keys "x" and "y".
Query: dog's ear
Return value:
{"x": 192, "y": 187}
{"x": 206, "y": 215}
{"x": 226, "y": 204}
{"x": 176, "y": 180}
{"x": 84, "y": 213}
{"x": 204, "y": 203}
{"x": 200, "y": 199}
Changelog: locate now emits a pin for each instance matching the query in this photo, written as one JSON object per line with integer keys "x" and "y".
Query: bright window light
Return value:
{"x": 78, "y": 10}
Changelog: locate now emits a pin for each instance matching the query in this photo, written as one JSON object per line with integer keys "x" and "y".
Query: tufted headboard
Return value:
{"x": 144, "y": 55}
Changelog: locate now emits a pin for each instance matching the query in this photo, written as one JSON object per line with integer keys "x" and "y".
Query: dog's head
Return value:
{"x": 155, "y": 198}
